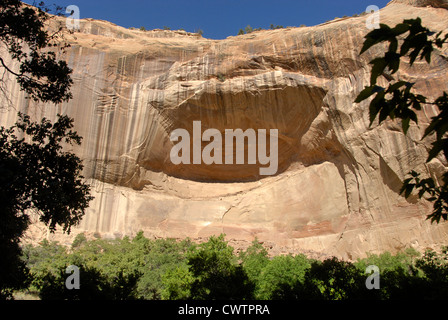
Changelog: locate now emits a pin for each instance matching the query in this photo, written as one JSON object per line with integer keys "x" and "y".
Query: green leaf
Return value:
{"x": 405, "y": 125}
{"x": 376, "y": 36}
{"x": 395, "y": 86}
{"x": 429, "y": 130}
{"x": 385, "y": 112}
{"x": 421, "y": 193}
{"x": 392, "y": 60}
{"x": 369, "y": 42}
{"x": 413, "y": 116}
{"x": 409, "y": 189}
{"x": 418, "y": 42}
{"x": 379, "y": 64}
{"x": 426, "y": 53}
{"x": 364, "y": 94}
{"x": 375, "y": 106}
{"x": 393, "y": 45}
{"x": 400, "y": 28}
{"x": 405, "y": 47}
{"x": 439, "y": 124}
{"x": 437, "y": 146}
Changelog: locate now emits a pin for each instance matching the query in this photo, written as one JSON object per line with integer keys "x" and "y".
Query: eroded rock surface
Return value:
{"x": 337, "y": 187}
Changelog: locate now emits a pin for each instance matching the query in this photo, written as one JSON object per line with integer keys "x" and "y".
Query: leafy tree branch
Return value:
{"x": 398, "y": 100}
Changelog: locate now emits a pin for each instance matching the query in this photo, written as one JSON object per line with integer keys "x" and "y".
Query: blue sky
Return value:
{"x": 217, "y": 18}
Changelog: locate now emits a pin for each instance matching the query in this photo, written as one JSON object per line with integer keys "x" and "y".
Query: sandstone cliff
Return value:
{"x": 336, "y": 191}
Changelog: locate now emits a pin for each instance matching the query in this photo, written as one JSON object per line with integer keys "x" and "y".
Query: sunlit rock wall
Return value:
{"x": 337, "y": 186}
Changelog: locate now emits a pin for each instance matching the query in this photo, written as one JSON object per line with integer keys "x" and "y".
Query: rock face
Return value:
{"x": 337, "y": 187}
{"x": 423, "y": 3}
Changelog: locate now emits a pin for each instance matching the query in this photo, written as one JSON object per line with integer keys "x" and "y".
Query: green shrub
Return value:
{"x": 216, "y": 272}
{"x": 254, "y": 260}
{"x": 386, "y": 261}
{"x": 79, "y": 240}
{"x": 140, "y": 268}
{"x": 281, "y": 276}
{"x": 177, "y": 283}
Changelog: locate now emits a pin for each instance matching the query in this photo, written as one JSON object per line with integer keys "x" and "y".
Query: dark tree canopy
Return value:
{"x": 398, "y": 100}
{"x": 36, "y": 174}
{"x": 40, "y": 175}
{"x": 24, "y": 32}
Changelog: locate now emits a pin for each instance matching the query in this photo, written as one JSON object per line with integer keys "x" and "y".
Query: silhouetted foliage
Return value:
{"x": 333, "y": 279}
{"x": 216, "y": 273}
{"x": 254, "y": 259}
{"x": 35, "y": 173}
{"x": 249, "y": 29}
{"x": 398, "y": 100}
{"x": 272, "y": 27}
{"x": 281, "y": 276}
{"x": 23, "y": 31}
{"x": 167, "y": 269}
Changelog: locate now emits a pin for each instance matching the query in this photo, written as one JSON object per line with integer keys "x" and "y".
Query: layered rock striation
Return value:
{"x": 337, "y": 186}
